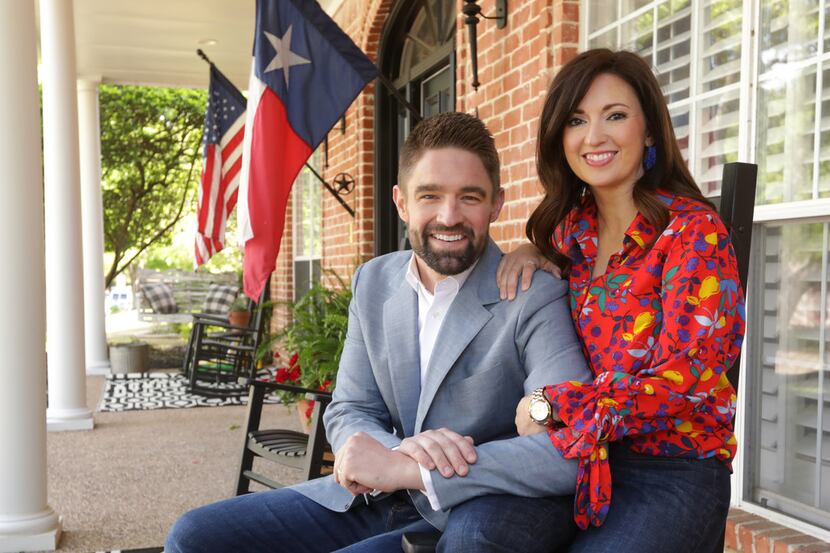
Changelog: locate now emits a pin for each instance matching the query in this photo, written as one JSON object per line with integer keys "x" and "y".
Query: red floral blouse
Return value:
{"x": 660, "y": 328}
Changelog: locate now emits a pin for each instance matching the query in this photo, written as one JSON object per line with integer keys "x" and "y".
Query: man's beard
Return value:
{"x": 443, "y": 262}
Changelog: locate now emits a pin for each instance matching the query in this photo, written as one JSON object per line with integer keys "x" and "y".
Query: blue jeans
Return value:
{"x": 660, "y": 504}
{"x": 284, "y": 520}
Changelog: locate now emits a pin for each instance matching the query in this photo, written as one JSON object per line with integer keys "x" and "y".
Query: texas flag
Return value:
{"x": 305, "y": 73}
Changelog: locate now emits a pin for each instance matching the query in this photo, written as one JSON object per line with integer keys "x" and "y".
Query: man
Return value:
{"x": 434, "y": 365}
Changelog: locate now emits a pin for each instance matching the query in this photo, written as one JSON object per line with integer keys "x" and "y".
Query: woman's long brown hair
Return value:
{"x": 564, "y": 191}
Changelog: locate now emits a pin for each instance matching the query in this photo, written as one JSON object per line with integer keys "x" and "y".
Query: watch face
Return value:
{"x": 539, "y": 410}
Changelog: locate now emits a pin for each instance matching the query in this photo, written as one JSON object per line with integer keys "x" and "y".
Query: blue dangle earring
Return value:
{"x": 650, "y": 158}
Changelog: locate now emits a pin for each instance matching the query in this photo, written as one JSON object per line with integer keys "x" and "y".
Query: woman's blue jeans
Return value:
{"x": 660, "y": 504}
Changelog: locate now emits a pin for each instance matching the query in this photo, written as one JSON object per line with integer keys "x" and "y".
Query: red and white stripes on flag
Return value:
{"x": 222, "y": 160}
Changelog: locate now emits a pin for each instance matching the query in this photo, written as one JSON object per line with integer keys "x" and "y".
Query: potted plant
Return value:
{"x": 314, "y": 340}
{"x": 238, "y": 314}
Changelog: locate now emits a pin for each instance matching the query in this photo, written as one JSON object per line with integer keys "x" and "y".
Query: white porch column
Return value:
{"x": 64, "y": 272}
{"x": 92, "y": 216}
{"x": 27, "y": 523}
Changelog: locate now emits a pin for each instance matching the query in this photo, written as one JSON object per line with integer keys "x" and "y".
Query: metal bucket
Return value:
{"x": 129, "y": 358}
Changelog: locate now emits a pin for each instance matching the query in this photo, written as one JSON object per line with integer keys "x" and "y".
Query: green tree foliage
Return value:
{"x": 150, "y": 159}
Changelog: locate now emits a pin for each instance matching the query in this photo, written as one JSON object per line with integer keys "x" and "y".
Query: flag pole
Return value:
{"x": 310, "y": 168}
{"x": 203, "y": 55}
{"x": 416, "y": 115}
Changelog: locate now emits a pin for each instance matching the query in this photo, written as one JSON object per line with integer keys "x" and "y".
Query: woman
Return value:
{"x": 656, "y": 301}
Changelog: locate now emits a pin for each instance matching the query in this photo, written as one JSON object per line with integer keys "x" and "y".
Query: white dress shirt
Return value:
{"x": 432, "y": 308}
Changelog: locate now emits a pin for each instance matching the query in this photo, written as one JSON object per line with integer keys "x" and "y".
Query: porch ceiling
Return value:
{"x": 154, "y": 42}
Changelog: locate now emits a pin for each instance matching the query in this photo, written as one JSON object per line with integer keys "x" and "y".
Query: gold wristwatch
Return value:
{"x": 539, "y": 408}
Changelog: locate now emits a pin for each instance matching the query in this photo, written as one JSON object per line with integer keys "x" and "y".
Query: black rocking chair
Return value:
{"x": 310, "y": 453}
{"x": 219, "y": 353}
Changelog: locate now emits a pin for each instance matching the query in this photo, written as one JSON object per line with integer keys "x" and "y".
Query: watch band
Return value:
{"x": 538, "y": 395}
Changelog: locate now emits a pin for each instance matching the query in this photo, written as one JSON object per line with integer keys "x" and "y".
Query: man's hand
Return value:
{"x": 442, "y": 448}
{"x": 526, "y": 426}
{"x": 363, "y": 465}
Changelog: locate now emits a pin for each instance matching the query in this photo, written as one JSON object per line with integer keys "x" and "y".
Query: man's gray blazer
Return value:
{"x": 489, "y": 354}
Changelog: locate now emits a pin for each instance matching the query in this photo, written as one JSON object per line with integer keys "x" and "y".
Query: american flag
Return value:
{"x": 221, "y": 161}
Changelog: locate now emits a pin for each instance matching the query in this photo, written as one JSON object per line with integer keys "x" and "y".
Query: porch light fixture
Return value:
{"x": 472, "y": 11}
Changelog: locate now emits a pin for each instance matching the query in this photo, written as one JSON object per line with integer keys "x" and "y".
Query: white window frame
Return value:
{"x": 813, "y": 210}
{"x": 296, "y": 222}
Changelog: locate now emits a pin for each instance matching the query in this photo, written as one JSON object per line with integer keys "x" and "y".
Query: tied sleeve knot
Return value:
{"x": 593, "y": 419}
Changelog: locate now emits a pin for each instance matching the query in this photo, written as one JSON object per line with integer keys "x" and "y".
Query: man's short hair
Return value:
{"x": 450, "y": 130}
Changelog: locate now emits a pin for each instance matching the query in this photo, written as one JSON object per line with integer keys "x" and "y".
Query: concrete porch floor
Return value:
{"x": 121, "y": 485}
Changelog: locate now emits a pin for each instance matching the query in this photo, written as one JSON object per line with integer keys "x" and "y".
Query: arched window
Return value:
{"x": 417, "y": 53}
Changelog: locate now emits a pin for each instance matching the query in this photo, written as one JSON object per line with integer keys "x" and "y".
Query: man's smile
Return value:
{"x": 448, "y": 237}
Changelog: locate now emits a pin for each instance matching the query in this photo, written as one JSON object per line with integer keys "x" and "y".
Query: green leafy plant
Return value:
{"x": 239, "y": 304}
{"x": 182, "y": 329}
{"x": 314, "y": 339}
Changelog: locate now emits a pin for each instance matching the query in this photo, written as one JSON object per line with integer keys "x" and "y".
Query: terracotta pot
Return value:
{"x": 303, "y": 406}
{"x": 239, "y": 318}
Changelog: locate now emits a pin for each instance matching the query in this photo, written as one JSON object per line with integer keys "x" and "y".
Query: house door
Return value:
{"x": 417, "y": 53}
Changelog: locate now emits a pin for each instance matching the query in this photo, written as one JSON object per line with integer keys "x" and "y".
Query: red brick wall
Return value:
{"x": 349, "y": 152}
{"x": 348, "y": 241}
{"x": 282, "y": 280}
{"x": 748, "y": 533}
{"x": 515, "y": 67}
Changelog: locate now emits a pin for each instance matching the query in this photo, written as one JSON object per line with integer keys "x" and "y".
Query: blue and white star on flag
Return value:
{"x": 284, "y": 58}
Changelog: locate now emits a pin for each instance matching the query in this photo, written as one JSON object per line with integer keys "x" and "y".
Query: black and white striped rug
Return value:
{"x": 164, "y": 390}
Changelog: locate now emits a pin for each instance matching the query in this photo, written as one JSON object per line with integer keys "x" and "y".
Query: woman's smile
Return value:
{"x": 599, "y": 159}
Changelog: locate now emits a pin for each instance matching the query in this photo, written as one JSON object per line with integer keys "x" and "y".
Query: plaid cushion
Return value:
{"x": 160, "y": 297}
{"x": 219, "y": 298}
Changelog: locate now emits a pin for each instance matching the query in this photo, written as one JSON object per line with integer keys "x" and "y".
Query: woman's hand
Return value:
{"x": 525, "y": 426}
{"x": 521, "y": 262}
